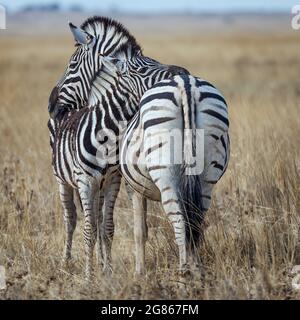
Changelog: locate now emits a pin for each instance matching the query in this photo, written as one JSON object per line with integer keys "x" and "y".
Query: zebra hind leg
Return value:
{"x": 189, "y": 259}
{"x": 140, "y": 231}
{"x": 66, "y": 193}
{"x": 171, "y": 207}
{"x": 166, "y": 182}
{"x": 130, "y": 193}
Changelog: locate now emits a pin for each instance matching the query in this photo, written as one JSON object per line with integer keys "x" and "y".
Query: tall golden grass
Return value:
{"x": 252, "y": 228}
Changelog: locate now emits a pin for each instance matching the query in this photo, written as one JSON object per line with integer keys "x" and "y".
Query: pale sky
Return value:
{"x": 156, "y": 6}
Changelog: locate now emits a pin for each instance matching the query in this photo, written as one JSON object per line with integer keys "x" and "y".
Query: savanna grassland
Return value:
{"x": 252, "y": 229}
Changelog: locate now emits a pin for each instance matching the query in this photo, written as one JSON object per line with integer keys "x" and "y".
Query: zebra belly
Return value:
{"x": 140, "y": 181}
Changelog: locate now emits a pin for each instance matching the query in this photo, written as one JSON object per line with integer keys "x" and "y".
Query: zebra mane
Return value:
{"x": 99, "y": 26}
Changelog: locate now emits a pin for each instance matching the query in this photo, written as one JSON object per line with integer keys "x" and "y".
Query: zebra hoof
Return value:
{"x": 67, "y": 262}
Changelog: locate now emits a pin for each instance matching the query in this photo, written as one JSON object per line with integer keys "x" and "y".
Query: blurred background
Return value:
{"x": 31, "y": 16}
{"x": 155, "y": 6}
{"x": 247, "y": 49}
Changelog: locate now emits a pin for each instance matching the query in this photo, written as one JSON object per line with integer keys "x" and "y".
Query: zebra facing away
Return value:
{"x": 94, "y": 82}
{"x": 183, "y": 103}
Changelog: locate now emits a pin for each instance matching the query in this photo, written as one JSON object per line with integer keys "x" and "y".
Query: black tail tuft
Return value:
{"x": 190, "y": 201}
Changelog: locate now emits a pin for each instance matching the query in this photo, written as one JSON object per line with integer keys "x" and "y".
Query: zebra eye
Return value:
{"x": 142, "y": 69}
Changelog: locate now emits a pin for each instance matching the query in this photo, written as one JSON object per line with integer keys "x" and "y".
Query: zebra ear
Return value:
{"x": 80, "y": 35}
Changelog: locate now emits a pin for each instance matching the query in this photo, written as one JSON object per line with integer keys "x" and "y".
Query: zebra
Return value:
{"x": 61, "y": 164}
{"x": 104, "y": 99}
{"x": 185, "y": 103}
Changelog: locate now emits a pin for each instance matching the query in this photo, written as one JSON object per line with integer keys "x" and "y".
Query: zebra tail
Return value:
{"x": 190, "y": 202}
{"x": 189, "y": 190}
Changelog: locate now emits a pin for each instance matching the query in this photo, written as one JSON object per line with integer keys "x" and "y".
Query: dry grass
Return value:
{"x": 252, "y": 234}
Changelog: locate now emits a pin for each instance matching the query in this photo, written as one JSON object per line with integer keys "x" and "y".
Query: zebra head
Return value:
{"x": 140, "y": 72}
{"x": 95, "y": 38}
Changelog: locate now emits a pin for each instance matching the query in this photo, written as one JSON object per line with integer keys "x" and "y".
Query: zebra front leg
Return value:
{"x": 111, "y": 194}
{"x": 100, "y": 257}
{"x": 89, "y": 199}
{"x": 140, "y": 231}
{"x": 66, "y": 193}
